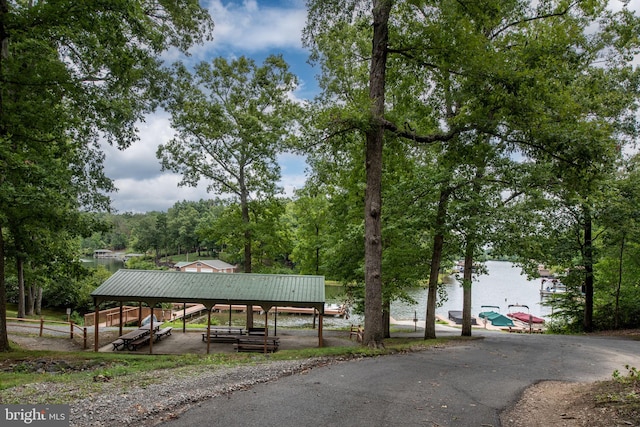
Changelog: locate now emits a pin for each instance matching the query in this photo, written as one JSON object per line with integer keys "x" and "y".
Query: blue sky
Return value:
{"x": 252, "y": 28}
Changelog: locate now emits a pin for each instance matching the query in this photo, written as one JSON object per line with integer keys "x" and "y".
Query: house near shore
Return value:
{"x": 103, "y": 253}
{"x": 206, "y": 266}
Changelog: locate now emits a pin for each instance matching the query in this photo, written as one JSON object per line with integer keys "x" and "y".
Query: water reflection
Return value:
{"x": 502, "y": 286}
{"x": 111, "y": 264}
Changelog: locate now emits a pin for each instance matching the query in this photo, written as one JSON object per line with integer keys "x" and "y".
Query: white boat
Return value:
{"x": 552, "y": 287}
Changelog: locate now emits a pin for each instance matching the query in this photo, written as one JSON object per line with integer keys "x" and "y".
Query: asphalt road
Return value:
{"x": 464, "y": 385}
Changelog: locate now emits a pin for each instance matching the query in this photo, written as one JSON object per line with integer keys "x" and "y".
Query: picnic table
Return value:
{"x": 227, "y": 334}
{"x": 133, "y": 339}
{"x": 257, "y": 343}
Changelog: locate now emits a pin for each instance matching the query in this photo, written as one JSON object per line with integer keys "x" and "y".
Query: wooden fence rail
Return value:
{"x": 41, "y": 325}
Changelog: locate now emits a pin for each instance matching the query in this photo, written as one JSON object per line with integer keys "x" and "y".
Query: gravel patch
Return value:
{"x": 160, "y": 396}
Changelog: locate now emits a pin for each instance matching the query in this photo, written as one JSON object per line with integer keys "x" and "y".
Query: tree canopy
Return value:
{"x": 73, "y": 74}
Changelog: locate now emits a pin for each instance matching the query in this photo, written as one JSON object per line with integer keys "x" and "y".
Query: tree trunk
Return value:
{"x": 317, "y": 260}
{"x": 38, "y": 307}
{"x": 467, "y": 275}
{"x": 588, "y": 269}
{"x": 31, "y": 299}
{"x": 386, "y": 319}
{"x": 436, "y": 260}
{"x": 21, "y": 293}
{"x": 4, "y": 54}
{"x": 373, "y": 329}
{"x": 616, "y": 310}
{"x": 244, "y": 205}
{"x": 4, "y": 338}
{"x": 466, "y": 290}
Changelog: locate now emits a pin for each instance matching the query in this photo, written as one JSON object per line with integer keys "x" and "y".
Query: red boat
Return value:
{"x": 524, "y": 317}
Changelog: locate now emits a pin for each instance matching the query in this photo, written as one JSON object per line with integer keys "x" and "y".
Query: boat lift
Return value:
{"x": 494, "y": 317}
{"x": 528, "y": 312}
{"x": 484, "y": 319}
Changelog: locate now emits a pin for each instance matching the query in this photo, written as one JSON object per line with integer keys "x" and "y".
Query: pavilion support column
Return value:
{"x": 96, "y": 319}
{"x": 275, "y": 322}
{"x": 266, "y": 328}
{"x": 139, "y": 313}
{"x": 151, "y": 328}
{"x": 121, "y": 320}
{"x": 184, "y": 317}
{"x": 249, "y": 316}
{"x": 320, "y": 321}
{"x": 209, "y": 328}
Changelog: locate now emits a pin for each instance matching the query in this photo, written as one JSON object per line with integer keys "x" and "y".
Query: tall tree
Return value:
{"x": 71, "y": 75}
{"x": 232, "y": 118}
{"x": 308, "y": 215}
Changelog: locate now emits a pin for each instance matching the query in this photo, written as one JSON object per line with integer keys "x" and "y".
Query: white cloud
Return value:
{"x": 139, "y": 161}
{"x": 252, "y": 27}
{"x": 292, "y": 167}
{"x": 157, "y": 193}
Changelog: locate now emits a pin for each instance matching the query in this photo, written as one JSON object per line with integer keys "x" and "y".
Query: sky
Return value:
{"x": 253, "y": 28}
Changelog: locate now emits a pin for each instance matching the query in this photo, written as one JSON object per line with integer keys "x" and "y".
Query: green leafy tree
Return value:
{"x": 309, "y": 220}
{"x": 150, "y": 234}
{"x": 440, "y": 70}
{"x": 96, "y": 72}
{"x": 232, "y": 118}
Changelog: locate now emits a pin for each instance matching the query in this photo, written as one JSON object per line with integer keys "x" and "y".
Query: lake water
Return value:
{"x": 111, "y": 264}
{"x": 502, "y": 286}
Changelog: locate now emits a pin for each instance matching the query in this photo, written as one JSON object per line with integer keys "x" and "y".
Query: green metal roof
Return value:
{"x": 265, "y": 290}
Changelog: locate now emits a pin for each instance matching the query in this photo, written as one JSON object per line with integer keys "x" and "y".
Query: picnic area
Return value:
{"x": 154, "y": 288}
{"x": 192, "y": 342}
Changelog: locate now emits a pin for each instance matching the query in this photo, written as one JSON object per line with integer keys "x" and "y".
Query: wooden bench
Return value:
{"x": 256, "y": 331}
{"x": 223, "y": 335}
{"x": 257, "y": 344}
{"x": 117, "y": 344}
{"x": 357, "y": 332}
{"x": 133, "y": 345}
{"x": 220, "y": 338}
{"x": 164, "y": 332}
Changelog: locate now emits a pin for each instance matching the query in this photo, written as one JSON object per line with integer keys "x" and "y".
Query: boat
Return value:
{"x": 525, "y": 317}
{"x": 495, "y": 317}
{"x": 459, "y": 268}
{"x": 552, "y": 287}
{"x": 456, "y": 317}
{"x": 525, "y": 321}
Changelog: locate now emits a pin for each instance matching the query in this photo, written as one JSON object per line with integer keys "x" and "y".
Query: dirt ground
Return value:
{"x": 555, "y": 403}
{"x": 177, "y": 343}
{"x": 545, "y": 404}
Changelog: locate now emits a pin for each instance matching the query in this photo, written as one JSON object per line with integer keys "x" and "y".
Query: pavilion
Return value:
{"x": 154, "y": 287}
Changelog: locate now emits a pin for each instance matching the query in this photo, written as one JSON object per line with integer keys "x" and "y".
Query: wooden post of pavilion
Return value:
{"x": 266, "y": 327}
{"x": 209, "y": 328}
{"x": 184, "y": 317}
{"x": 121, "y": 320}
{"x": 320, "y": 321}
{"x": 96, "y": 318}
{"x": 151, "y": 328}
